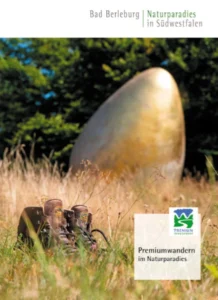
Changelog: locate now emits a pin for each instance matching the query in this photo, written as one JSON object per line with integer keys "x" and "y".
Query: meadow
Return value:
{"x": 38, "y": 275}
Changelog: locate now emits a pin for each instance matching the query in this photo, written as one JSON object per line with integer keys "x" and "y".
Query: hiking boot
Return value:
{"x": 81, "y": 224}
{"x": 55, "y": 226}
{"x": 54, "y": 231}
{"x": 29, "y": 224}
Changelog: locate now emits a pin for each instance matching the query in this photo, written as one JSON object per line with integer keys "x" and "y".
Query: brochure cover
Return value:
{"x": 108, "y": 150}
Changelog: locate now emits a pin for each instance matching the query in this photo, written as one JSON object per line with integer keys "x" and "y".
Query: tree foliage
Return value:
{"x": 49, "y": 88}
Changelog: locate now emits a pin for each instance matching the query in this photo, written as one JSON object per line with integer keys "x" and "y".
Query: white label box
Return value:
{"x": 160, "y": 256}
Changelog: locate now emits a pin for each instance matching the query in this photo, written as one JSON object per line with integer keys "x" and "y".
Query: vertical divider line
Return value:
{"x": 143, "y": 20}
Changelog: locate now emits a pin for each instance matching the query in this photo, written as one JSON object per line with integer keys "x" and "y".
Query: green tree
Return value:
{"x": 50, "y": 136}
{"x": 21, "y": 88}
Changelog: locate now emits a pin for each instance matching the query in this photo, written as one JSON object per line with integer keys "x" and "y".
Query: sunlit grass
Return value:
{"x": 37, "y": 275}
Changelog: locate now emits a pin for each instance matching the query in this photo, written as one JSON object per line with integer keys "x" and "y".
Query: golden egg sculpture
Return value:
{"x": 140, "y": 127}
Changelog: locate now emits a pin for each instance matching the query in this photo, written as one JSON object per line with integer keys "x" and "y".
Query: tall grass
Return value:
{"x": 36, "y": 275}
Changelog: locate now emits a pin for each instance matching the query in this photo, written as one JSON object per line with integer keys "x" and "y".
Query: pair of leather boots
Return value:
{"x": 55, "y": 226}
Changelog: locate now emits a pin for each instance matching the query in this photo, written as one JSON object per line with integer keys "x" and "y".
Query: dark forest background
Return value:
{"x": 49, "y": 88}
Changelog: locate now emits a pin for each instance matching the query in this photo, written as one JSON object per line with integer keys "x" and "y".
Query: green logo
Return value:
{"x": 183, "y": 218}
